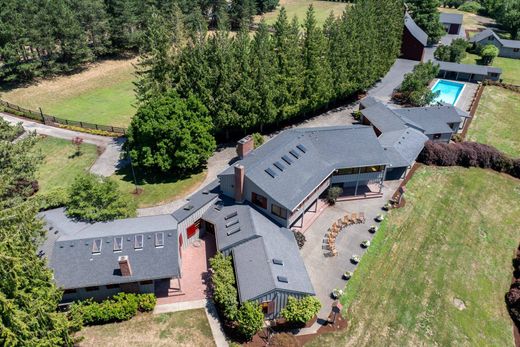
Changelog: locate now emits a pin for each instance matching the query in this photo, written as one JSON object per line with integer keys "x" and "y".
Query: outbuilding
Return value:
{"x": 452, "y": 22}
{"x": 413, "y": 41}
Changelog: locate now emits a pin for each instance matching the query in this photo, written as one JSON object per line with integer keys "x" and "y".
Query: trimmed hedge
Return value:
{"x": 120, "y": 307}
{"x": 469, "y": 154}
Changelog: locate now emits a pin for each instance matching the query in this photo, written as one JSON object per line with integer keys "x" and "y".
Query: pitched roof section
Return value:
{"x": 402, "y": 146}
{"x": 451, "y": 18}
{"x": 415, "y": 30}
{"x": 488, "y": 32}
{"x": 433, "y": 119}
{"x": 468, "y": 68}
{"x": 197, "y": 200}
{"x": 69, "y": 250}
{"x": 383, "y": 118}
{"x": 326, "y": 149}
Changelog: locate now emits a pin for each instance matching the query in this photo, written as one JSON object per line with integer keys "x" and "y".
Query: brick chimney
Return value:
{"x": 124, "y": 266}
{"x": 239, "y": 183}
{"x": 245, "y": 146}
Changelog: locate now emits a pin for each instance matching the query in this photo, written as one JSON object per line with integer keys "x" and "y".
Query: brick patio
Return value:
{"x": 193, "y": 284}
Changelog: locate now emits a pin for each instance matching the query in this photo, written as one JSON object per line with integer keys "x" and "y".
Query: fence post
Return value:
{"x": 96, "y": 126}
{"x": 112, "y": 128}
{"x": 81, "y": 124}
{"x": 41, "y": 114}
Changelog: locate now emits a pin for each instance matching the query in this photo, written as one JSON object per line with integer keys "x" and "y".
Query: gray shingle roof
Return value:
{"x": 197, "y": 200}
{"x": 511, "y": 43}
{"x": 256, "y": 272}
{"x": 468, "y": 68}
{"x": 69, "y": 250}
{"x": 451, "y": 18}
{"x": 433, "y": 119}
{"x": 326, "y": 149}
{"x": 383, "y": 118}
{"x": 488, "y": 32}
{"x": 402, "y": 146}
{"x": 415, "y": 30}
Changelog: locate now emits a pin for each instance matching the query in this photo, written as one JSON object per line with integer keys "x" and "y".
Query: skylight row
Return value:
{"x": 287, "y": 159}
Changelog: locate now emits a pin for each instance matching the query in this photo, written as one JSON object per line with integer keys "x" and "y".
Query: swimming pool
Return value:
{"x": 449, "y": 91}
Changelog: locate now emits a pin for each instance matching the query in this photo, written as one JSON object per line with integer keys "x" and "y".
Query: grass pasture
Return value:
{"x": 299, "y": 8}
{"x": 180, "y": 329}
{"x": 497, "y": 120}
{"x": 102, "y": 94}
{"x": 437, "y": 272}
{"x": 60, "y": 164}
{"x": 510, "y": 67}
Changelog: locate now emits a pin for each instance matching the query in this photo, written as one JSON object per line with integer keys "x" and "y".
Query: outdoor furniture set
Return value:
{"x": 338, "y": 225}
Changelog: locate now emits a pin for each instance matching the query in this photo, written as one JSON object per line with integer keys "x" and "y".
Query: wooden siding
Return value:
{"x": 183, "y": 226}
{"x": 411, "y": 48}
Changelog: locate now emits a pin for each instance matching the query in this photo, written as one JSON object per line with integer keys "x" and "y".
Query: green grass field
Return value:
{"x": 299, "y": 8}
{"x": 182, "y": 329}
{"x": 497, "y": 120}
{"x": 510, "y": 67}
{"x": 156, "y": 192}
{"x": 437, "y": 272}
{"x": 102, "y": 94}
{"x": 60, "y": 164}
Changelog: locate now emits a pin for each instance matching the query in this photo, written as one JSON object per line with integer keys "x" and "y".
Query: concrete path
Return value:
{"x": 383, "y": 90}
{"x": 105, "y": 165}
{"x": 211, "y": 314}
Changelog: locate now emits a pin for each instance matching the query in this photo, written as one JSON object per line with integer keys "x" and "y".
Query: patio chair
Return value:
{"x": 361, "y": 217}
{"x": 334, "y": 252}
{"x": 345, "y": 221}
{"x": 354, "y": 218}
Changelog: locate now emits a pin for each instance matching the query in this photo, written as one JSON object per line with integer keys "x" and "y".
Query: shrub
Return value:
{"x": 469, "y": 154}
{"x": 250, "y": 319}
{"x": 120, "y": 307}
{"x": 57, "y": 197}
{"x": 90, "y": 131}
{"x": 258, "y": 140}
{"x": 470, "y": 6}
{"x": 94, "y": 198}
{"x": 300, "y": 239}
{"x": 454, "y": 53}
{"x": 9, "y": 132}
{"x": 223, "y": 283}
{"x": 301, "y": 311}
{"x": 414, "y": 89}
{"x": 488, "y": 53}
{"x": 333, "y": 194}
{"x": 357, "y": 115}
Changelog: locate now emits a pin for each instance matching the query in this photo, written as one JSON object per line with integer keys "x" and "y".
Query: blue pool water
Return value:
{"x": 449, "y": 91}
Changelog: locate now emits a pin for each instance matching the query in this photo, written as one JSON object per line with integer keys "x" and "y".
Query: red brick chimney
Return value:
{"x": 245, "y": 146}
{"x": 124, "y": 266}
{"x": 239, "y": 183}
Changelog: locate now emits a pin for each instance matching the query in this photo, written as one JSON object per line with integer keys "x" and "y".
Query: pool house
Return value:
{"x": 468, "y": 72}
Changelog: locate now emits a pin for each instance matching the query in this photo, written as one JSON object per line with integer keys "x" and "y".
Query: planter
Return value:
{"x": 372, "y": 229}
{"x": 347, "y": 275}
{"x": 380, "y": 218}
{"x": 365, "y": 244}
{"x": 336, "y": 293}
{"x": 311, "y": 322}
{"x": 354, "y": 259}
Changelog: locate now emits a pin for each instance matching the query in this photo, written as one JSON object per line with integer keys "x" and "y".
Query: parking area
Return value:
{"x": 326, "y": 271}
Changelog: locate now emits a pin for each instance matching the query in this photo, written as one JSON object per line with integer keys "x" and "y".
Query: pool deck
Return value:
{"x": 467, "y": 95}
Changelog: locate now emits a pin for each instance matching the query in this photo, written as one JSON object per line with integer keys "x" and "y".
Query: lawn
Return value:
{"x": 101, "y": 94}
{"x": 182, "y": 329}
{"x": 299, "y": 8}
{"x": 510, "y": 67}
{"x": 60, "y": 165}
{"x": 158, "y": 191}
{"x": 497, "y": 120}
{"x": 437, "y": 271}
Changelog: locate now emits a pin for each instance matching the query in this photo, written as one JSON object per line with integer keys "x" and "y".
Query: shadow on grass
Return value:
{"x": 143, "y": 178}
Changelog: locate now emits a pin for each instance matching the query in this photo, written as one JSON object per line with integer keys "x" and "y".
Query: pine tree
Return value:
{"x": 426, "y": 15}
{"x": 241, "y": 13}
{"x": 93, "y": 19}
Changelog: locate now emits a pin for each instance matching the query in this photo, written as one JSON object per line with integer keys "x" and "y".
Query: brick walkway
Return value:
{"x": 193, "y": 284}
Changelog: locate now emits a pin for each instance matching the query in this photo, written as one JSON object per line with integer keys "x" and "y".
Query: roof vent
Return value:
{"x": 277, "y": 261}
{"x": 234, "y": 231}
{"x": 205, "y": 192}
{"x": 282, "y": 279}
{"x": 188, "y": 207}
{"x": 231, "y": 215}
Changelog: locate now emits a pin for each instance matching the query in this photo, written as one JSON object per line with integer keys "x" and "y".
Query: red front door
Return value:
{"x": 192, "y": 229}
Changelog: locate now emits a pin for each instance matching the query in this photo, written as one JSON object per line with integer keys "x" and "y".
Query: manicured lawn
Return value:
{"x": 437, "y": 272}
{"x": 497, "y": 120}
{"x": 159, "y": 191}
{"x": 182, "y": 329}
{"x": 510, "y": 67}
{"x": 299, "y": 8}
{"x": 60, "y": 165}
{"x": 102, "y": 94}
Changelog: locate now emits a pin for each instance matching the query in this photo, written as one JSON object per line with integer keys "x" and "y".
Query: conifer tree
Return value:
{"x": 426, "y": 15}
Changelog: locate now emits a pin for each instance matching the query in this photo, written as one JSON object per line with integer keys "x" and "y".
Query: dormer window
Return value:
{"x": 118, "y": 244}
{"x": 159, "y": 239}
{"x": 96, "y": 246}
{"x": 138, "y": 242}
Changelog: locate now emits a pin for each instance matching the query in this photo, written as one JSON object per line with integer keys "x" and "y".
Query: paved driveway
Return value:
{"x": 325, "y": 271}
{"x": 383, "y": 90}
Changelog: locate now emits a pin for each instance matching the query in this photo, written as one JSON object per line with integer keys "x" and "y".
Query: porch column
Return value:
{"x": 357, "y": 181}
{"x": 444, "y": 76}
{"x": 457, "y": 76}
{"x": 382, "y": 180}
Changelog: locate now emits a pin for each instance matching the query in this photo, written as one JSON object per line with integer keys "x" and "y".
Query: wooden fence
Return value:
{"x": 52, "y": 120}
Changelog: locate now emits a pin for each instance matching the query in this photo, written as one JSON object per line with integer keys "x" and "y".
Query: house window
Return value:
{"x": 259, "y": 200}
{"x": 118, "y": 244}
{"x": 92, "y": 289}
{"x": 491, "y": 38}
{"x": 370, "y": 169}
{"x": 436, "y": 136}
{"x": 112, "y": 286}
{"x": 138, "y": 242}
{"x": 69, "y": 291}
{"x": 96, "y": 246}
{"x": 279, "y": 211}
{"x": 143, "y": 283}
{"x": 349, "y": 171}
{"x": 516, "y": 50}
{"x": 159, "y": 239}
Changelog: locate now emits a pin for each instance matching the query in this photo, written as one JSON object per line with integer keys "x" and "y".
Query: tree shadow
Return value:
{"x": 144, "y": 177}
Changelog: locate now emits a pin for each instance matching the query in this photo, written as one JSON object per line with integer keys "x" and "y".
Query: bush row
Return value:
{"x": 469, "y": 154}
{"x": 120, "y": 307}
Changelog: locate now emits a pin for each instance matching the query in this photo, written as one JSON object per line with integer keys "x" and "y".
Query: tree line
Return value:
{"x": 247, "y": 82}
{"x": 39, "y": 38}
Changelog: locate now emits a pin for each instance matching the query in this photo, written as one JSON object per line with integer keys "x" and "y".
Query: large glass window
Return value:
{"x": 259, "y": 200}
{"x": 279, "y": 211}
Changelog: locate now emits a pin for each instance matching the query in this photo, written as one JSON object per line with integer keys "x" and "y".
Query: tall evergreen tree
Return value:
{"x": 426, "y": 15}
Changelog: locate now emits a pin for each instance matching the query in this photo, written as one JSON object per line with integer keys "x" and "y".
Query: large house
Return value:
{"x": 507, "y": 48}
{"x": 452, "y": 22}
{"x": 413, "y": 41}
{"x": 250, "y": 210}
